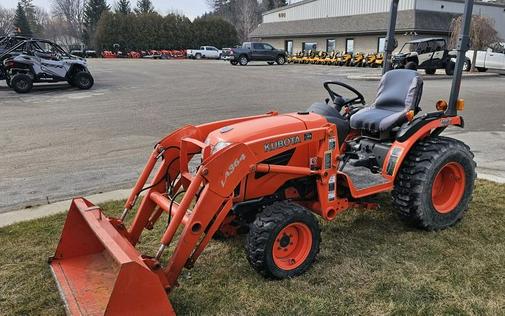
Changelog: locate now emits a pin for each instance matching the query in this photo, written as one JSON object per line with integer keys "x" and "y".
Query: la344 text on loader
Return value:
{"x": 268, "y": 176}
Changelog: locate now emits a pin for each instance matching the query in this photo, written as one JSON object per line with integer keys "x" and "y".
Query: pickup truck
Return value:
{"x": 209, "y": 52}
{"x": 492, "y": 58}
{"x": 254, "y": 51}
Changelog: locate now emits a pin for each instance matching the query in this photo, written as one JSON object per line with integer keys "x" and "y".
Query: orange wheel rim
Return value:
{"x": 292, "y": 246}
{"x": 448, "y": 188}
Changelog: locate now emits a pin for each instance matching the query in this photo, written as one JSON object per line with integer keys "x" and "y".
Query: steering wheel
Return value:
{"x": 339, "y": 100}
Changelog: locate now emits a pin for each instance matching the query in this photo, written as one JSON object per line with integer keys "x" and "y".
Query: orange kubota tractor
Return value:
{"x": 268, "y": 176}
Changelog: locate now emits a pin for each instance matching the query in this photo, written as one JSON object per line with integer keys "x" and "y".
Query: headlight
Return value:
{"x": 218, "y": 146}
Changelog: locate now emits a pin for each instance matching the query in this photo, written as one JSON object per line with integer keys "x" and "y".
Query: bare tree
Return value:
{"x": 6, "y": 21}
{"x": 482, "y": 34}
{"x": 247, "y": 17}
{"x": 70, "y": 12}
{"x": 58, "y": 30}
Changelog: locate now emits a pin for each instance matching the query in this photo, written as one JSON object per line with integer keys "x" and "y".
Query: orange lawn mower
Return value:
{"x": 269, "y": 176}
{"x": 108, "y": 54}
{"x": 134, "y": 54}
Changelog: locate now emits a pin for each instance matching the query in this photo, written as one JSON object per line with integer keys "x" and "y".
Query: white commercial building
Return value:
{"x": 360, "y": 25}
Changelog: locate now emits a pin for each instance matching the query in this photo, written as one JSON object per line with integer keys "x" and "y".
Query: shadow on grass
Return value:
{"x": 370, "y": 263}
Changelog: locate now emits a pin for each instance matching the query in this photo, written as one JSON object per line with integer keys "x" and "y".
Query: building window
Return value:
{"x": 309, "y": 46}
{"x": 330, "y": 45}
{"x": 288, "y": 46}
{"x": 349, "y": 45}
{"x": 381, "y": 45}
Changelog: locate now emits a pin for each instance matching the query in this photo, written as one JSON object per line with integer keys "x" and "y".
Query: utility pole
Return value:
{"x": 391, "y": 42}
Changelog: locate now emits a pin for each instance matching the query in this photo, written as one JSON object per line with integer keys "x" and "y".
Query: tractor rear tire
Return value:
{"x": 21, "y": 83}
{"x": 283, "y": 241}
{"x": 435, "y": 183}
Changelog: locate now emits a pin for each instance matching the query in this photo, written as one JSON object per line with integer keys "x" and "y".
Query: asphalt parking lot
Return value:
{"x": 58, "y": 142}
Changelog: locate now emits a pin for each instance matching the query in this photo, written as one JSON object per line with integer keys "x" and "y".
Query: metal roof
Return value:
{"x": 427, "y": 22}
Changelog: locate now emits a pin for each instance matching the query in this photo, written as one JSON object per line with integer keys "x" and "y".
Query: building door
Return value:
{"x": 288, "y": 46}
{"x": 381, "y": 44}
{"x": 349, "y": 45}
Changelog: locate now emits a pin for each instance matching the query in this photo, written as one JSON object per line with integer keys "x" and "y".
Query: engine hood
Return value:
{"x": 264, "y": 127}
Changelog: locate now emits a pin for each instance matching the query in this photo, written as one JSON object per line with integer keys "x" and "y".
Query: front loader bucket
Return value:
{"x": 99, "y": 272}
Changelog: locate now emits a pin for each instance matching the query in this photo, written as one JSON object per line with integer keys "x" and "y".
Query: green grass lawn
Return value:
{"x": 370, "y": 263}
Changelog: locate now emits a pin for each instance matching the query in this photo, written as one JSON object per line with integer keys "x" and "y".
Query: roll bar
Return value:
{"x": 462, "y": 46}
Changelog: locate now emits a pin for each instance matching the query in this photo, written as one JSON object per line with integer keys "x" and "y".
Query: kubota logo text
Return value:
{"x": 282, "y": 143}
{"x": 231, "y": 169}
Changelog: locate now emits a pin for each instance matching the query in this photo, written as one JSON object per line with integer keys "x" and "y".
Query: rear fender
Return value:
{"x": 401, "y": 147}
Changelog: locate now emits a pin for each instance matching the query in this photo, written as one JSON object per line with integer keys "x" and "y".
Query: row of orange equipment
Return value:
{"x": 152, "y": 54}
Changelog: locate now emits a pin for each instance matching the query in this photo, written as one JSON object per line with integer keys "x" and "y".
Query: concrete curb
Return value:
{"x": 62, "y": 206}
{"x": 425, "y": 77}
{"x": 58, "y": 207}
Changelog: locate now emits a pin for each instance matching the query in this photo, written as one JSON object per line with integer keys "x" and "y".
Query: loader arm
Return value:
{"x": 100, "y": 253}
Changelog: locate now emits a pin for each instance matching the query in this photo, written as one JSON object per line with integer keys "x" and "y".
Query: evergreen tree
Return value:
{"x": 123, "y": 7}
{"x": 214, "y": 30}
{"x": 21, "y": 22}
{"x": 92, "y": 13}
{"x": 144, "y": 7}
{"x": 152, "y": 31}
{"x": 29, "y": 9}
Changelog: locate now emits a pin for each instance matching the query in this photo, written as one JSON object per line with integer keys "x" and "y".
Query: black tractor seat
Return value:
{"x": 399, "y": 92}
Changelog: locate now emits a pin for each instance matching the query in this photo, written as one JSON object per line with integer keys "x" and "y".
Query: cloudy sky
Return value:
{"x": 191, "y": 8}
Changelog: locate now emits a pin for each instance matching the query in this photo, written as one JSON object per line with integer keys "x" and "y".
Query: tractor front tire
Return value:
{"x": 21, "y": 83}
{"x": 435, "y": 183}
{"x": 283, "y": 241}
